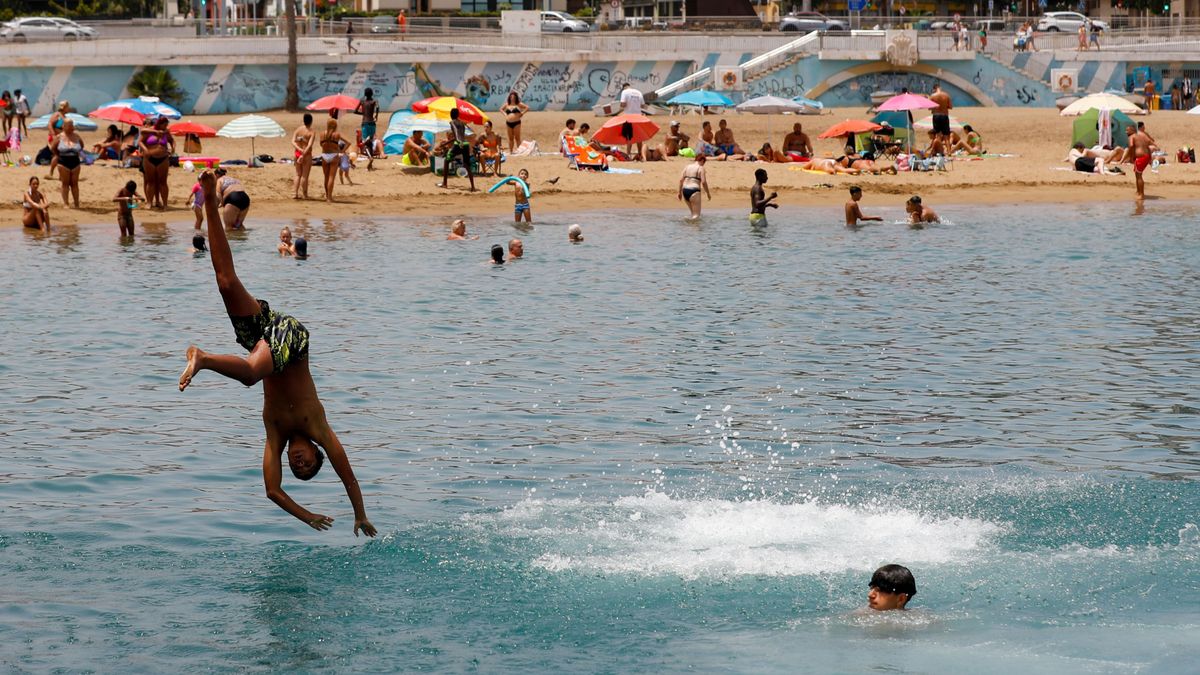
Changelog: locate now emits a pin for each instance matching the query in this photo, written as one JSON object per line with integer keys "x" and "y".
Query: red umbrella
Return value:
{"x": 640, "y": 128}
{"x": 338, "y": 101}
{"x": 849, "y": 127}
{"x": 442, "y": 105}
{"x": 120, "y": 114}
{"x": 194, "y": 128}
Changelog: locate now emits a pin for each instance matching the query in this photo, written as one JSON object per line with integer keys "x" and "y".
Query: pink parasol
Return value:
{"x": 906, "y": 102}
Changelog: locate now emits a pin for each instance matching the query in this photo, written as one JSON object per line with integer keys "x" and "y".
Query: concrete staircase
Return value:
{"x": 776, "y": 67}
{"x": 1036, "y": 68}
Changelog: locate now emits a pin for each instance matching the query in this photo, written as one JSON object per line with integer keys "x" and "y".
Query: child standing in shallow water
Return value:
{"x": 197, "y": 202}
{"x": 127, "y": 199}
{"x": 521, "y": 207}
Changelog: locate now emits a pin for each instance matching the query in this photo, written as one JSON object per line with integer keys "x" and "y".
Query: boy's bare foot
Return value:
{"x": 193, "y": 364}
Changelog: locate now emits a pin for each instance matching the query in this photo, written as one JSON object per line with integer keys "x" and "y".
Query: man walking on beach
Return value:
{"x": 368, "y": 107}
{"x": 941, "y": 114}
{"x": 1139, "y": 143}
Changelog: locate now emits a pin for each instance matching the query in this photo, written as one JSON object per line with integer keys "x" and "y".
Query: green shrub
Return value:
{"x": 155, "y": 81}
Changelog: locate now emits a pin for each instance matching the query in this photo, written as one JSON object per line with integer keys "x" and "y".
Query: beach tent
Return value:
{"x": 1085, "y": 129}
{"x": 898, "y": 120}
{"x": 403, "y": 123}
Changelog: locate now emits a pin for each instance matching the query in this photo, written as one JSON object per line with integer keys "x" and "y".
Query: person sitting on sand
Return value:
{"x": 416, "y": 150}
{"x": 853, "y": 213}
{"x": 575, "y": 234}
{"x": 936, "y": 148}
{"x": 458, "y": 231}
{"x": 110, "y": 147}
{"x": 918, "y": 213}
{"x": 676, "y": 140}
{"x": 797, "y": 145}
{"x": 828, "y": 166}
{"x": 723, "y": 139}
{"x": 1086, "y": 161}
{"x": 972, "y": 143}
{"x": 891, "y": 587}
{"x": 487, "y": 145}
{"x": 707, "y": 145}
{"x": 768, "y": 154}
{"x": 873, "y": 166}
{"x": 292, "y": 415}
{"x": 37, "y": 207}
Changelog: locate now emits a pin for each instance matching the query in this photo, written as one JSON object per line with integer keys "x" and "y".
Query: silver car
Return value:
{"x": 1067, "y": 22}
{"x": 561, "y": 22}
{"x": 805, "y": 22}
{"x": 44, "y": 28}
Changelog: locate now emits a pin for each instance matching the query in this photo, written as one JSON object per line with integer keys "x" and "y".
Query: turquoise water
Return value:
{"x": 672, "y": 448}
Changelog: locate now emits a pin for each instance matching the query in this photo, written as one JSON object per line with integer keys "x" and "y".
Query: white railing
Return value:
{"x": 777, "y": 56}
{"x": 693, "y": 81}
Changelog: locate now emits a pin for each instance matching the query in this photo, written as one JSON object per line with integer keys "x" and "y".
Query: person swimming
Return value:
{"x": 575, "y": 234}
{"x": 198, "y": 245}
{"x": 497, "y": 254}
{"x": 300, "y": 248}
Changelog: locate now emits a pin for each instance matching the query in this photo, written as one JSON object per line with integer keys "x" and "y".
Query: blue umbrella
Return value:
{"x": 809, "y": 102}
{"x": 81, "y": 123}
{"x": 403, "y": 123}
{"x": 703, "y": 98}
{"x": 149, "y": 106}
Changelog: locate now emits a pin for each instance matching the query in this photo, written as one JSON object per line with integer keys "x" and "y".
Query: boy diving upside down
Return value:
{"x": 292, "y": 412}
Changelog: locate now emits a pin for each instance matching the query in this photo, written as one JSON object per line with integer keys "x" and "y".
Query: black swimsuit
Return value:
{"x": 512, "y": 111}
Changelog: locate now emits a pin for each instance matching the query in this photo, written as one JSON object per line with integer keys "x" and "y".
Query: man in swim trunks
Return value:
{"x": 941, "y": 114}
{"x": 853, "y": 212}
{"x": 292, "y": 412}
{"x": 919, "y": 214}
{"x": 759, "y": 201}
{"x": 1139, "y": 148}
{"x": 416, "y": 150}
{"x": 521, "y": 200}
{"x": 725, "y": 143}
{"x": 368, "y": 107}
{"x": 797, "y": 144}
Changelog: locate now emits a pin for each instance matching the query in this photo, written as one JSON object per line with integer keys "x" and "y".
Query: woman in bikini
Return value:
{"x": 156, "y": 147}
{"x": 302, "y": 144}
{"x": 53, "y": 128}
{"x": 68, "y": 154}
{"x": 234, "y": 201}
{"x": 768, "y": 154}
{"x": 513, "y": 111}
{"x": 37, "y": 207}
{"x": 331, "y": 150}
{"x": 691, "y": 183}
{"x": 489, "y": 149}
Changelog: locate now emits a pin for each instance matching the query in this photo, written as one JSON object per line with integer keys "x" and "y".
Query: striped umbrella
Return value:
{"x": 81, "y": 123}
{"x": 252, "y": 127}
{"x": 146, "y": 105}
{"x": 442, "y": 105}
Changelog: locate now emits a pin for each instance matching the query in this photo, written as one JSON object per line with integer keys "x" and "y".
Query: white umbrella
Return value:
{"x": 252, "y": 127}
{"x": 769, "y": 105}
{"x": 1103, "y": 101}
{"x": 1194, "y": 111}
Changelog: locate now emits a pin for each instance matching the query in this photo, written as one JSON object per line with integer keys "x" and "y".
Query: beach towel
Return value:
{"x": 581, "y": 155}
{"x": 526, "y": 149}
{"x": 621, "y": 170}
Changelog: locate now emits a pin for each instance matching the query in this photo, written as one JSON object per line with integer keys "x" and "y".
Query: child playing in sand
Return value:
{"x": 292, "y": 412}
{"x": 522, "y": 202}
{"x": 127, "y": 199}
{"x": 853, "y": 213}
{"x": 892, "y": 586}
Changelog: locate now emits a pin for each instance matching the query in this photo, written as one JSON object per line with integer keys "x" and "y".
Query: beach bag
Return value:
{"x": 44, "y": 156}
{"x": 902, "y": 163}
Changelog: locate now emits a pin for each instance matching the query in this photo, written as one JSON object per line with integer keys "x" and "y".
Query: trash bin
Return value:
{"x": 1164, "y": 102}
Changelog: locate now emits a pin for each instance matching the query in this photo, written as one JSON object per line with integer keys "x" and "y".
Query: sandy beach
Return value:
{"x": 1038, "y": 139}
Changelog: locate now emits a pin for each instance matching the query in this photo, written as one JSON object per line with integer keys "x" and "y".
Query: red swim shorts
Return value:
{"x": 1140, "y": 163}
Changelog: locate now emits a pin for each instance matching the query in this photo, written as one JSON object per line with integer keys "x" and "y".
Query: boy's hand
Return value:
{"x": 365, "y": 525}
{"x": 319, "y": 522}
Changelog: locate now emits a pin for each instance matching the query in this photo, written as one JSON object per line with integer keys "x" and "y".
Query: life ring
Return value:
{"x": 729, "y": 79}
{"x": 1066, "y": 82}
{"x": 511, "y": 179}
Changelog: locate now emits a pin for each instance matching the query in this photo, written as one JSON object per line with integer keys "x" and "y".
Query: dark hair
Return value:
{"x": 316, "y": 467}
{"x": 894, "y": 579}
{"x": 497, "y": 253}
{"x": 301, "y": 246}
{"x": 1078, "y": 145}
{"x": 915, "y": 199}
{"x": 1141, "y": 125}
{"x": 570, "y": 121}
{"x": 585, "y": 125}
{"x": 198, "y": 242}
{"x": 16, "y": 92}
{"x": 131, "y": 187}
{"x": 760, "y": 175}
{"x": 33, "y": 178}
{"x": 220, "y": 171}
{"x": 307, "y": 119}
{"x": 113, "y": 130}
{"x": 369, "y": 93}
{"x": 513, "y": 95}
{"x": 967, "y": 128}
{"x": 855, "y": 190}
{"x": 454, "y": 113}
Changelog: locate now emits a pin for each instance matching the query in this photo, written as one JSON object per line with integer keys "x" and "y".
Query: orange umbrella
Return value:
{"x": 615, "y": 131}
{"x": 442, "y": 105}
{"x": 194, "y": 128}
{"x": 338, "y": 101}
{"x": 849, "y": 127}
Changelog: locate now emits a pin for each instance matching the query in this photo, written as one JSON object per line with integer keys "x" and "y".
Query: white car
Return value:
{"x": 561, "y": 22}
{"x": 1067, "y": 22}
{"x": 44, "y": 28}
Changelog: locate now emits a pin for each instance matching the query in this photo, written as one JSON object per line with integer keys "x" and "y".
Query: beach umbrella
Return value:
{"x": 81, "y": 123}
{"x": 702, "y": 98}
{"x": 640, "y": 127}
{"x": 333, "y": 102}
{"x": 147, "y": 105}
{"x": 118, "y": 114}
{"x": 1102, "y": 101}
{"x": 849, "y": 128}
{"x": 906, "y": 102}
{"x": 769, "y": 105}
{"x": 194, "y": 128}
{"x": 252, "y": 127}
{"x": 442, "y": 105}
{"x": 925, "y": 124}
{"x": 1194, "y": 111}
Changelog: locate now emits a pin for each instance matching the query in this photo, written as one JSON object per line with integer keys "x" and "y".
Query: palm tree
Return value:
{"x": 291, "y": 100}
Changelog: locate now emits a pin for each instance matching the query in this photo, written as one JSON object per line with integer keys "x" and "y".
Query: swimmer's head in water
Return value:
{"x": 304, "y": 457}
{"x": 131, "y": 187}
{"x": 575, "y": 232}
{"x": 760, "y": 175}
{"x": 285, "y": 235}
{"x": 913, "y": 204}
{"x": 198, "y": 242}
{"x": 301, "y": 246}
{"x": 497, "y": 254}
{"x": 516, "y": 249}
{"x": 892, "y": 586}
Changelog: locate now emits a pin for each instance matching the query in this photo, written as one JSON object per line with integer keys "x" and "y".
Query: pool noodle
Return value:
{"x": 511, "y": 179}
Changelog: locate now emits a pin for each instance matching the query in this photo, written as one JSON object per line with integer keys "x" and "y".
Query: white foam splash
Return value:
{"x": 655, "y": 534}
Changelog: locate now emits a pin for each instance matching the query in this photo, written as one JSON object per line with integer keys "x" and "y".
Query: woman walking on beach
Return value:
{"x": 156, "y": 147}
{"x": 37, "y": 207}
{"x": 302, "y": 143}
{"x": 513, "y": 111}
{"x": 691, "y": 183}
{"x": 67, "y": 149}
{"x": 331, "y": 150}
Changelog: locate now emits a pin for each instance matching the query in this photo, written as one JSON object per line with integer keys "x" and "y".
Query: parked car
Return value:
{"x": 384, "y": 24}
{"x": 561, "y": 22}
{"x": 810, "y": 21}
{"x": 994, "y": 25}
{"x": 1067, "y": 22}
{"x": 44, "y": 28}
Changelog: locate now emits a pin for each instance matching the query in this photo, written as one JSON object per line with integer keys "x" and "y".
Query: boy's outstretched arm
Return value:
{"x": 273, "y": 480}
{"x": 341, "y": 464}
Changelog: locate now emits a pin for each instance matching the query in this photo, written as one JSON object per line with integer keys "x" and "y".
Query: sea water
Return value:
{"x": 671, "y": 448}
